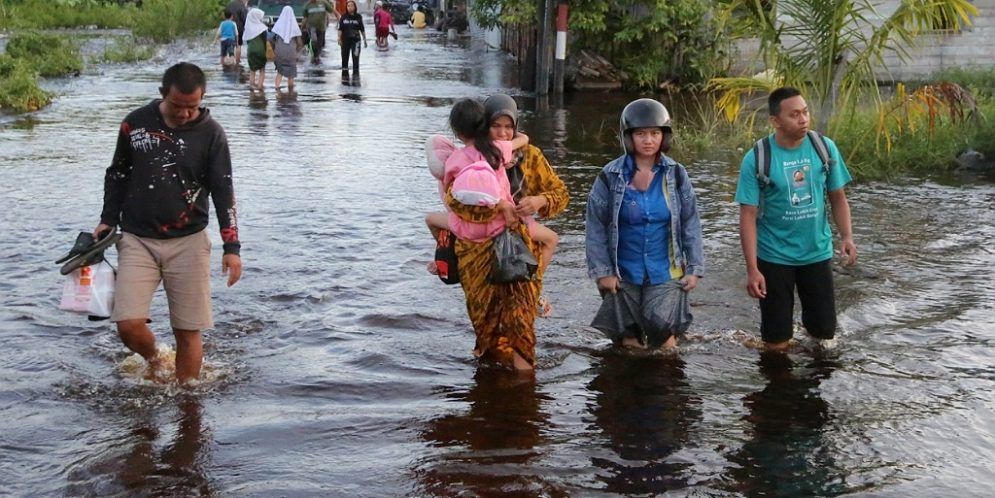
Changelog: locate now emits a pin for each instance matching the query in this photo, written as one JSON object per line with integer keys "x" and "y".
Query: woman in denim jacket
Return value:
{"x": 643, "y": 235}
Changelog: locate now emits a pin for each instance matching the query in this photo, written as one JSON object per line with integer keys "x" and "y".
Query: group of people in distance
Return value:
{"x": 284, "y": 43}
{"x": 643, "y": 231}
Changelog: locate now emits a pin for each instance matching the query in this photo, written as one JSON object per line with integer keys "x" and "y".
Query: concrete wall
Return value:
{"x": 972, "y": 47}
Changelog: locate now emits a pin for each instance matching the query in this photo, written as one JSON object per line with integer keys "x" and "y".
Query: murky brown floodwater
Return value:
{"x": 340, "y": 368}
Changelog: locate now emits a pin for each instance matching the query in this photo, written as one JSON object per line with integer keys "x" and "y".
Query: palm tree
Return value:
{"x": 828, "y": 48}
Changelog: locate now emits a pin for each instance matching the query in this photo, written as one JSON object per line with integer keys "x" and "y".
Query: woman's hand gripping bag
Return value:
{"x": 513, "y": 261}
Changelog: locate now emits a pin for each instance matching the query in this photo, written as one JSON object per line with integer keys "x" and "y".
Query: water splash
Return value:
{"x": 135, "y": 369}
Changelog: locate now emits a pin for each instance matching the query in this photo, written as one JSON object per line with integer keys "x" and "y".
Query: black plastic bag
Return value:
{"x": 513, "y": 261}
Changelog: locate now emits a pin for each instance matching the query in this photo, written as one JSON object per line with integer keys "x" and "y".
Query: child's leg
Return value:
{"x": 437, "y": 222}
{"x": 547, "y": 239}
{"x": 290, "y": 84}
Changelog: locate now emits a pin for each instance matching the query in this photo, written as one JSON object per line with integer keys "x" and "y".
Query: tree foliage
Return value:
{"x": 829, "y": 48}
{"x": 651, "y": 41}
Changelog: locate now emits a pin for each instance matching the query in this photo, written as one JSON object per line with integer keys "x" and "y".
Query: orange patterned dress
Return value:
{"x": 503, "y": 315}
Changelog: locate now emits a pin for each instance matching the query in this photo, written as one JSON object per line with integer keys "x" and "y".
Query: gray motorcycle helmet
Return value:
{"x": 498, "y": 105}
{"x": 644, "y": 113}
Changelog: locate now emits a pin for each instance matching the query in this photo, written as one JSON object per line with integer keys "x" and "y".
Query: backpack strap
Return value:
{"x": 761, "y": 153}
{"x": 822, "y": 149}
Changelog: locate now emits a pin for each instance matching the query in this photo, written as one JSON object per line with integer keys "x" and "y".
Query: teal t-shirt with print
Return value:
{"x": 793, "y": 228}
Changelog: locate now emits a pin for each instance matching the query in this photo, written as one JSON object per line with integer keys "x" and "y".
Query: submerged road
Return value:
{"x": 339, "y": 367}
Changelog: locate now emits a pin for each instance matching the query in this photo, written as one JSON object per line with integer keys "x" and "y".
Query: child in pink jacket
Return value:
{"x": 473, "y": 179}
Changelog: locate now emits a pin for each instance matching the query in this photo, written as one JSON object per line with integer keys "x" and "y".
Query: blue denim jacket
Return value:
{"x": 601, "y": 220}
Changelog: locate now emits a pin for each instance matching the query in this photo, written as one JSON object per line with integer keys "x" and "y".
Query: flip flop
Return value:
{"x": 545, "y": 307}
{"x": 86, "y": 251}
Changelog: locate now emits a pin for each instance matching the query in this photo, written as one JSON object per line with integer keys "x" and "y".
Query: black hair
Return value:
{"x": 184, "y": 77}
{"x": 780, "y": 95}
{"x": 227, "y": 14}
{"x": 468, "y": 119}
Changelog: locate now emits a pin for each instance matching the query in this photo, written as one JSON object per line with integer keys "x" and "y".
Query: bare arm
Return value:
{"x": 756, "y": 286}
{"x": 542, "y": 182}
{"x": 841, "y": 215}
{"x": 520, "y": 140}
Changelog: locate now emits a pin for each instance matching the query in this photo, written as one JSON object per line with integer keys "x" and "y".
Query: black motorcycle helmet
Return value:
{"x": 498, "y": 105}
{"x": 644, "y": 113}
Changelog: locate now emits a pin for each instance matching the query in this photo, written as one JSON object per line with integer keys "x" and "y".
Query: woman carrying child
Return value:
{"x": 287, "y": 46}
{"x": 535, "y": 187}
{"x": 503, "y": 314}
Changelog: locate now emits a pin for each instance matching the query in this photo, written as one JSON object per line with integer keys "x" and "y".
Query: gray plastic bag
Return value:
{"x": 513, "y": 261}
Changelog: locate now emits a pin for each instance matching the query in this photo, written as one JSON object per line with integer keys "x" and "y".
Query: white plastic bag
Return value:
{"x": 89, "y": 290}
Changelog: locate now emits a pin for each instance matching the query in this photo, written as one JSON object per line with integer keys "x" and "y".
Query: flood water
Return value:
{"x": 339, "y": 367}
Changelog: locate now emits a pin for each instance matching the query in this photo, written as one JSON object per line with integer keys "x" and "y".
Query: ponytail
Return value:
{"x": 489, "y": 149}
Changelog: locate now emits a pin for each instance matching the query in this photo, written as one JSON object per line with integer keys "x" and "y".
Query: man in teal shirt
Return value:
{"x": 784, "y": 228}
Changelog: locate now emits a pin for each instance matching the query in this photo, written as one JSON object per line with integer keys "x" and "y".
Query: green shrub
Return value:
{"x": 911, "y": 150}
{"x": 125, "y": 49}
{"x": 19, "y": 90}
{"x": 47, "y": 14}
{"x": 50, "y": 55}
{"x": 981, "y": 81}
{"x": 166, "y": 20}
{"x": 650, "y": 41}
{"x": 701, "y": 132}
{"x": 983, "y": 135}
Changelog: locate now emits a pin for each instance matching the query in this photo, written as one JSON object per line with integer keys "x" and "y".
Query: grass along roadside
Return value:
{"x": 19, "y": 90}
{"x": 49, "y": 14}
{"x": 124, "y": 49}
{"x": 30, "y": 53}
{"x": 875, "y": 144}
{"x": 49, "y": 55}
{"x": 158, "y": 20}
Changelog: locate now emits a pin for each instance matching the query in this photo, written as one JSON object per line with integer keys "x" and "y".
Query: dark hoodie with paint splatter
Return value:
{"x": 159, "y": 180}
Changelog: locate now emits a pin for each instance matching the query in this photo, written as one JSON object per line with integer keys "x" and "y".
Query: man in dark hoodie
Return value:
{"x": 170, "y": 157}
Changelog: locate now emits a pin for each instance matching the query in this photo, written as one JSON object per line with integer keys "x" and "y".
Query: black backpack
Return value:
{"x": 446, "y": 262}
